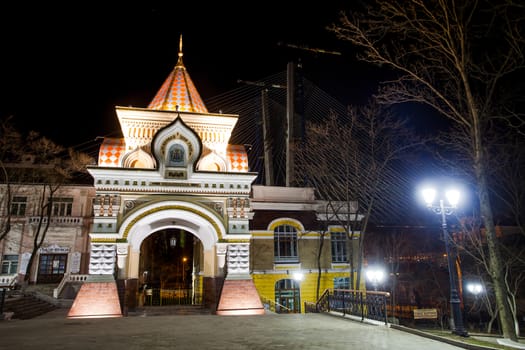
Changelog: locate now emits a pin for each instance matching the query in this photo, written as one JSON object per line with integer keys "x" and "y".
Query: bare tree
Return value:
{"x": 455, "y": 57}
{"x": 391, "y": 246}
{"x": 507, "y": 162}
{"x": 40, "y": 163}
{"x": 10, "y": 140}
{"x": 472, "y": 245}
{"x": 348, "y": 160}
{"x": 472, "y": 242}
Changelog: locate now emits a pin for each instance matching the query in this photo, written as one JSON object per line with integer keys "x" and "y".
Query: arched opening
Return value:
{"x": 287, "y": 296}
{"x": 169, "y": 268}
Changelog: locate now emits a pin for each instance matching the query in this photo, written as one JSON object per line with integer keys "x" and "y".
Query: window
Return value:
{"x": 285, "y": 244}
{"x": 9, "y": 264}
{"x": 18, "y": 206}
{"x": 339, "y": 247}
{"x": 52, "y": 264}
{"x": 176, "y": 156}
{"x": 342, "y": 283}
{"x": 62, "y": 206}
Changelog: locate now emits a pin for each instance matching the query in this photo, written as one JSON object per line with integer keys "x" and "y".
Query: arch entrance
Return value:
{"x": 169, "y": 269}
{"x": 173, "y": 254}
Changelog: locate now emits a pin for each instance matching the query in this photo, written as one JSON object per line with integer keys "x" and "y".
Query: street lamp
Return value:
{"x": 476, "y": 289}
{"x": 429, "y": 194}
{"x": 375, "y": 276}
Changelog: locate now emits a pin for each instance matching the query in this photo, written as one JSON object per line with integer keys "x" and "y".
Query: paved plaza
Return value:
{"x": 270, "y": 331}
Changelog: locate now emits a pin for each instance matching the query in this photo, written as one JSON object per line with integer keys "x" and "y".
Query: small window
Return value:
{"x": 18, "y": 206}
{"x": 342, "y": 283}
{"x": 9, "y": 264}
{"x": 176, "y": 156}
{"x": 62, "y": 206}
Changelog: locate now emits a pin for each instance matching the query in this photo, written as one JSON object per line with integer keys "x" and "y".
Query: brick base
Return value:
{"x": 240, "y": 297}
{"x": 96, "y": 299}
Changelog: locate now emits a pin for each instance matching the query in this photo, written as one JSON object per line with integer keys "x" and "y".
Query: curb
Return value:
{"x": 441, "y": 339}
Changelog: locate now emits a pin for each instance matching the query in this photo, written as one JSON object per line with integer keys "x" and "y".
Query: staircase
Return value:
{"x": 26, "y": 306}
{"x": 171, "y": 310}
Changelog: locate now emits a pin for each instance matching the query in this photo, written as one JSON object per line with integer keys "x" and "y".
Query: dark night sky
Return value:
{"x": 65, "y": 67}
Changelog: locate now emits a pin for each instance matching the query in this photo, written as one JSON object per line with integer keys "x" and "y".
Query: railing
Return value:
{"x": 58, "y": 220}
{"x": 8, "y": 281}
{"x": 68, "y": 278}
{"x": 273, "y": 306}
{"x": 160, "y": 297}
{"x": 371, "y": 305}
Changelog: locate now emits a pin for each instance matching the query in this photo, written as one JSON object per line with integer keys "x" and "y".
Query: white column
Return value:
{"x": 122, "y": 259}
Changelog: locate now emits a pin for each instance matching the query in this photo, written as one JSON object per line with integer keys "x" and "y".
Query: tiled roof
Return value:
{"x": 237, "y": 158}
{"x": 110, "y": 152}
{"x": 178, "y": 93}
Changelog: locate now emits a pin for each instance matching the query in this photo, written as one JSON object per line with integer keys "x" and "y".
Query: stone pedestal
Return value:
{"x": 240, "y": 297}
{"x": 97, "y": 298}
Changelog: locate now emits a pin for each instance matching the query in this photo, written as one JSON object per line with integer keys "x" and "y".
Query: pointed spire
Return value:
{"x": 178, "y": 93}
{"x": 179, "y": 61}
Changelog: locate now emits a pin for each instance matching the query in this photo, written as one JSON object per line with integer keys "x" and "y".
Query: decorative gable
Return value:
{"x": 176, "y": 148}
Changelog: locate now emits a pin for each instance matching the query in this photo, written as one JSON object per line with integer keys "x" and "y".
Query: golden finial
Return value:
{"x": 179, "y": 62}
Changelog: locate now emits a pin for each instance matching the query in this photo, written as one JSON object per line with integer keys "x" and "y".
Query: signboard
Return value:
{"x": 24, "y": 262}
{"x": 75, "y": 262}
{"x": 425, "y": 314}
{"x": 54, "y": 249}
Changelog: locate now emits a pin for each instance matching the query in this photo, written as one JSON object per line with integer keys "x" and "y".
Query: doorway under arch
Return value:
{"x": 287, "y": 296}
{"x": 169, "y": 268}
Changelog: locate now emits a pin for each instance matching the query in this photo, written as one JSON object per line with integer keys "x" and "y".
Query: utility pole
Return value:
{"x": 268, "y": 159}
{"x": 295, "y": 124}
{"x": 290, "y": 117}
{"x": 268, "y": 149}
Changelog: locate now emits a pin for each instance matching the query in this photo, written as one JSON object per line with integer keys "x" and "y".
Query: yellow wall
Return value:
{"x": 265, "y": 284}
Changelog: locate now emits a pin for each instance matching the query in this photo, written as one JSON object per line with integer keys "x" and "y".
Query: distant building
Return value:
{"x": 65, "y": 248}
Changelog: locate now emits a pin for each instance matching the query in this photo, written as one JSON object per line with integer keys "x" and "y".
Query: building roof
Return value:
{"x": 178, "y": 93}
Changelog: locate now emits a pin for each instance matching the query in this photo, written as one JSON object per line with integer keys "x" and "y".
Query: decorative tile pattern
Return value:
{"x": 178, "y": 93}
{"x": 237, "y": 158}
{"x": 110, "y": 152}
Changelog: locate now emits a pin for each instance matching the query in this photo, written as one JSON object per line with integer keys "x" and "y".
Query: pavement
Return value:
{"x": 270, "y": 331}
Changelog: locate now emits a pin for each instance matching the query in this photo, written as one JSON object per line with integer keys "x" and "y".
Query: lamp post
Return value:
{"x": 375, "y": 276}
{"x": 453, "y": 198}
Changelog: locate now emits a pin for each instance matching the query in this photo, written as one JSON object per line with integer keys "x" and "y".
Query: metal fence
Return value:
{"x": 371, "y": 305}
{"x": 159, "y": 297}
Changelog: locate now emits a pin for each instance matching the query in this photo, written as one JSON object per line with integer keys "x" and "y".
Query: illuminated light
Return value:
{"x": 428, "y": 195}
{"x": 375, "y": 275}
{"x": 453, "y": 197}
{"x": 298, "y": 276}
{"x": 475, "y": 288}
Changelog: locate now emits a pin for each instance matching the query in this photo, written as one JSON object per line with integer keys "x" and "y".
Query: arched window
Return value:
{"x": 287, "y": 297}
{"x": 176, "y": 156}
{"x": 285, "y": 244}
